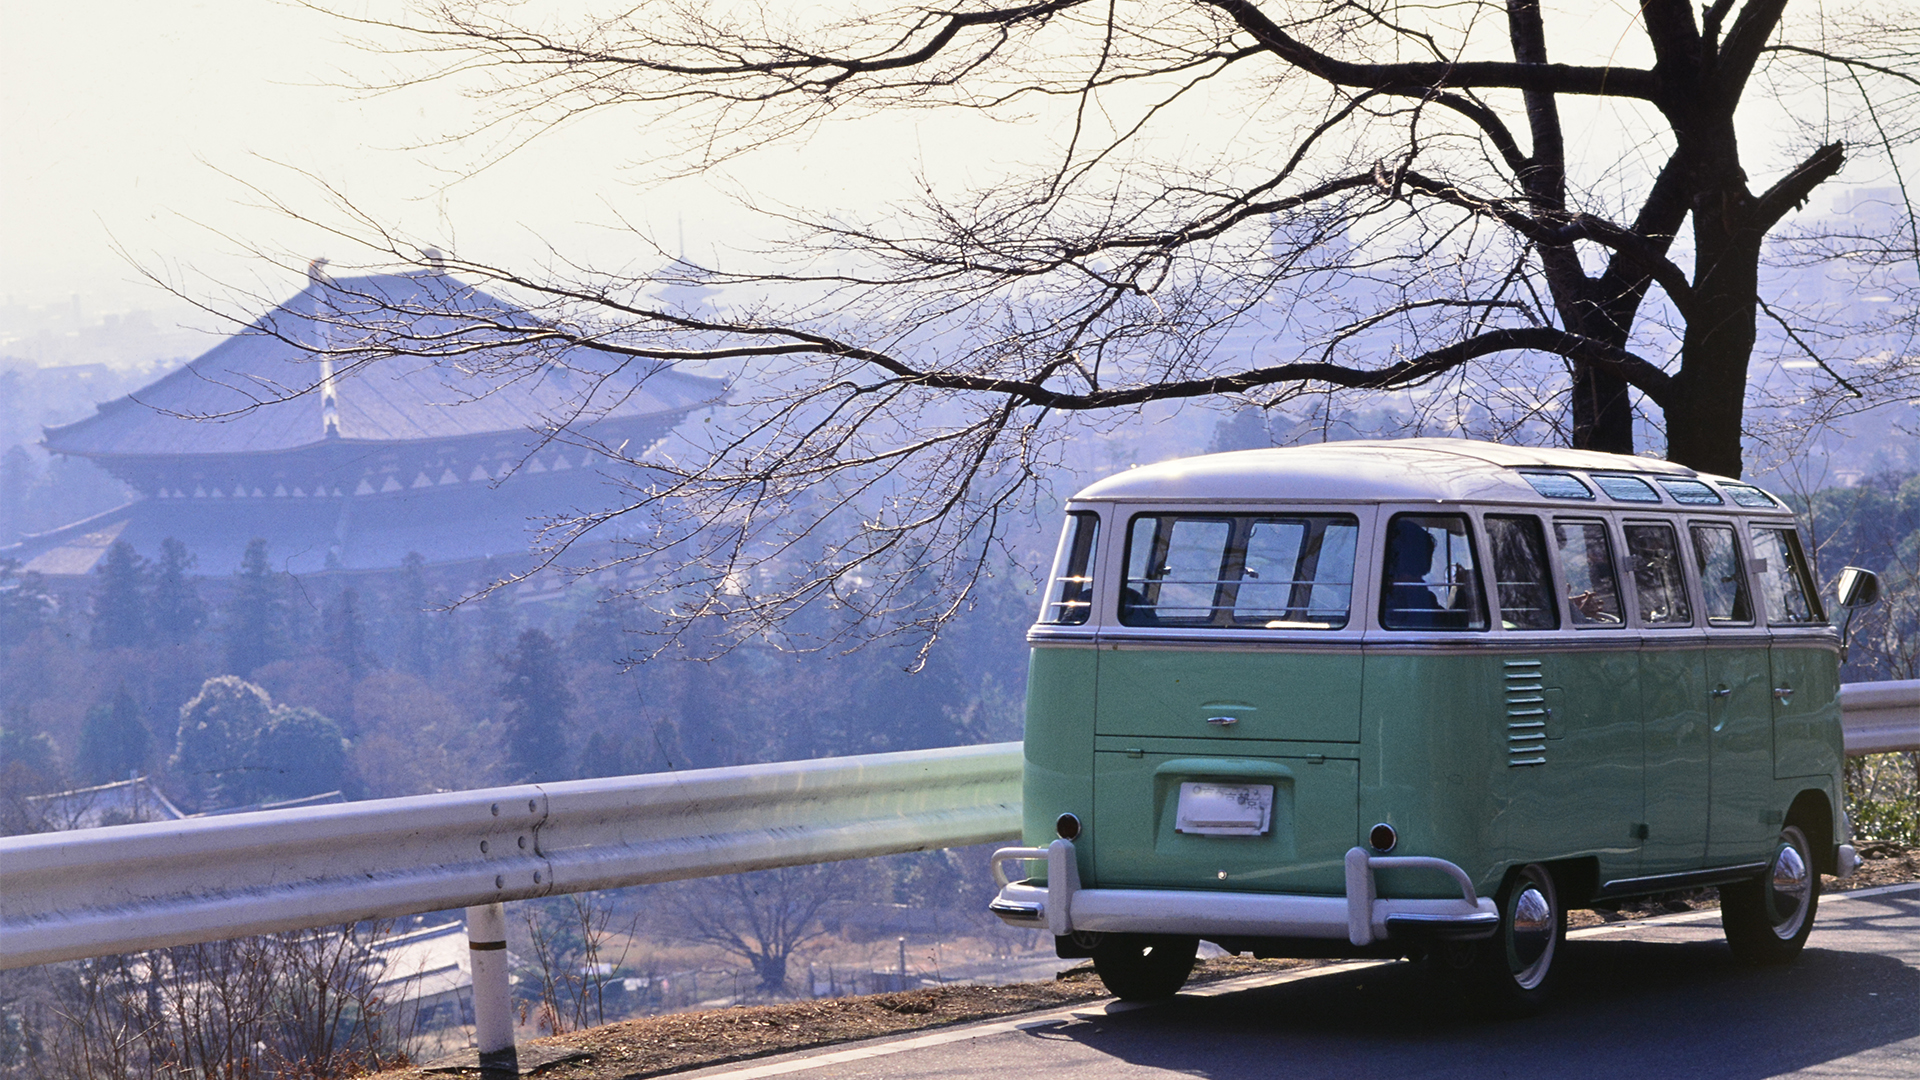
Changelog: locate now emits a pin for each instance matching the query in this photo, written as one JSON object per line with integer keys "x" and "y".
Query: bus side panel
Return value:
{"x": 1741, "y": 823}
{"x": 1674, "y": 699}
{"x": 1588, "y": 797}
{"x": 1434, "y": 742}
{"x": 1807, "y": 739}
{"x": 1058, "y": 771}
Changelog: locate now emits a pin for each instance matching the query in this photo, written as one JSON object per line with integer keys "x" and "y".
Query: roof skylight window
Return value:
{"x": 1558, "y": 485}
{"x": 1691, "y": 492}
{"x": 1748, "y": 495}
{"x": 1627, "y": 488}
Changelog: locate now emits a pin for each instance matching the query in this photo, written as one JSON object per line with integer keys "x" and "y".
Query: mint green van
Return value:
{"x": 1418, "y": 699}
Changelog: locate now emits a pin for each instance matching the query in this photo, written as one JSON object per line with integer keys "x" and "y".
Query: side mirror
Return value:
{"x": 1857, "y": 587}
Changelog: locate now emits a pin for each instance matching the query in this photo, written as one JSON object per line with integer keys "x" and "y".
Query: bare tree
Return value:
{"x": 1391, "y": 205}
{"x": 764, "y": 917}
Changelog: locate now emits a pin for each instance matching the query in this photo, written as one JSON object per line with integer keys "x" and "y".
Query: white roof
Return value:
{"x": 1366, "y": 470}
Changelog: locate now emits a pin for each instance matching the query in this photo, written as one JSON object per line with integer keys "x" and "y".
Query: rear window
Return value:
{"x": 1243, "y": 571}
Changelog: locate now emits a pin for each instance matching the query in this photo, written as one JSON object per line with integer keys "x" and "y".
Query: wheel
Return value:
{"x": 1767, "y": 920}
{"x": 1144, "y": 967}
{"x": 1512, "y": 972}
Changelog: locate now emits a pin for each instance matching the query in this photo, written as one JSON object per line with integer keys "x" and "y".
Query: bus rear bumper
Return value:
{"x": 1362, "y": 917}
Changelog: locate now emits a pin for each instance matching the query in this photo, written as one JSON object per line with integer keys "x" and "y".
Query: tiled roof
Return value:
{"x": 263, "y": 388}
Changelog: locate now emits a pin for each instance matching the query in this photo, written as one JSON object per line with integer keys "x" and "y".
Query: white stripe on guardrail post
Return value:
{"x": 492, "y": 1003}
{"x": 1881, "y": 717}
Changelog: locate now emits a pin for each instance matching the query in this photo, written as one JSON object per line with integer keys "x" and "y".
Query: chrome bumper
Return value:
{"x": 1061, "y": 906}
{"x": 1846, "y": 861}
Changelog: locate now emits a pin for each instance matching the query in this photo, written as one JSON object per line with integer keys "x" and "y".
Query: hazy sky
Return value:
{"x": 123, "y": 116}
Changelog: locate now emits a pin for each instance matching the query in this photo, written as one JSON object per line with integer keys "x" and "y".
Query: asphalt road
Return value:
{"x": 1660, "y": 998}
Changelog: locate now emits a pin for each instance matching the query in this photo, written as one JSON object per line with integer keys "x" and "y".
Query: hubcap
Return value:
{"x": 1531, "y": 935}
{"x": 1787, "y": 887}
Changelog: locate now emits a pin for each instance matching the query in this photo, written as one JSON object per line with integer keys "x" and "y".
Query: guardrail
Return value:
{"x": 123, "y": 888}
{"x": 1880, "y": 717}
{"x": 93, "y": 892}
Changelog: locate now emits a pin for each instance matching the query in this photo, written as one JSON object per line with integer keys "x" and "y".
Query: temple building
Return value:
{"x": 321, "y": 429}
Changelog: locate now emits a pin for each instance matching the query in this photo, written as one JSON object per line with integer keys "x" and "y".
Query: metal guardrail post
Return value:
{"x": 492, "y": 1003}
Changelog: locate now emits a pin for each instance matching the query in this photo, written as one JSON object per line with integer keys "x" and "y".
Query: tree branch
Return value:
{"x": 1795, "y": 188}
{"x": 1634, "y": 248}
{"x": 1744, "y": 41}
{"x": 1415, "y": 79}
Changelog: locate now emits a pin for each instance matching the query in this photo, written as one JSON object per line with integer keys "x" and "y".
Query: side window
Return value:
{"x": 1654, "y": 553}
{"x": 1070, "y": 587}
{"x": 1785, "y": 586}
{"x": 1521, "y": 583}
{"x": 1723, "y": 581}
{"x": 1586, "y": 558}
{"x": 1432, "y": 581}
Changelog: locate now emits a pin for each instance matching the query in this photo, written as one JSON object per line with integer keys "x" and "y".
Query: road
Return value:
{"x": 1657, "y": 998}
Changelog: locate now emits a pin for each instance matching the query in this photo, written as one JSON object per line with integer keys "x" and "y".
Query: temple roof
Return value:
{"x": 320, "y": 368}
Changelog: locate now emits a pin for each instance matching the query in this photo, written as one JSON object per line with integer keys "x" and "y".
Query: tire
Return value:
{"x": 1767, "y": 919}
{"x": 1144, "y": 967}
{"x": 1513, "y": 972}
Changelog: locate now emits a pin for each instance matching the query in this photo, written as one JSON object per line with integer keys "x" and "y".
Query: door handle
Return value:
{"x": 1783, "y": 693}
{"x": 1720, "y": 692}
{"x": 1223, "y": 721}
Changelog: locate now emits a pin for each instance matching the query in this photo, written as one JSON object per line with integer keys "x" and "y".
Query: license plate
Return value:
{"x": 1225, "y": 809}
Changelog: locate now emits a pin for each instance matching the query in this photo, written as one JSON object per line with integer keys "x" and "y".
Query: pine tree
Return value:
{"x": 114, "y": 740}
{"x": 120, "y": 600}
{"x": 18, "y": 474}
{"x": 257, "y": 614}
{"x": 176, "y": 611}
{"x": 603, "y": 755}
{"x": 537, "y": 700}
{"x": 346, "y": 634}
{"x": 410, "y": 651}
{"x": 25, "y": 604}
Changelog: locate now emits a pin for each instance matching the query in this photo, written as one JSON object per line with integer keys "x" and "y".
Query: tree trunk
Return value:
{"x": 1709, "y": 394}
{"x": 1602, "y": 413}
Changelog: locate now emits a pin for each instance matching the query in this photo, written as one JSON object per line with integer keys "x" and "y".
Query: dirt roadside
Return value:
{"x": 658, "y": 1045}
